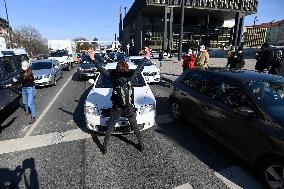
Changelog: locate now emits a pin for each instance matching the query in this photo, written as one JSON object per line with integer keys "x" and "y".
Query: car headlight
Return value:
{"x": 47, "y": 76}
{"x": 92, "y": 110}
{"x": 80, "y": 69}
{"x": 147, "y": 108}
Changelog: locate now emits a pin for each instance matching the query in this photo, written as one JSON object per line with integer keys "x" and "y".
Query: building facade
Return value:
{"x": 272, "y": 33}
{"x": 156, "y": 23}
{"x": 4, "y": 33}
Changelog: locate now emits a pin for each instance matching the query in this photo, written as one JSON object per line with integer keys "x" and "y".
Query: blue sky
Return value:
{"x": 67, "y": 19}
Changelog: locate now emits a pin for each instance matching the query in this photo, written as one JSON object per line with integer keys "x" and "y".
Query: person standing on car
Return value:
{"x": 202, "y": 60}
{"x": 28, "y": 90}
{"x": 123, "y": 97}
{"x": 264, "y": 58}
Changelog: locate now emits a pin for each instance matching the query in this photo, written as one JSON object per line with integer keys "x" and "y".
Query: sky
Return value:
{"x": 68, "y": 19}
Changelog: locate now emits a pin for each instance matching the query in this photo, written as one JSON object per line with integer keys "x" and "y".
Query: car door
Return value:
{"x": 226, "y": 122}
{"x": 7, "y": 90}
{"x": 192, "y": 97}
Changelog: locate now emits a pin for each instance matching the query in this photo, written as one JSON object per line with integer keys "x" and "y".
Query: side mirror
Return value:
{"x": 91, "y": 81}
{"x": 245, "y": 111}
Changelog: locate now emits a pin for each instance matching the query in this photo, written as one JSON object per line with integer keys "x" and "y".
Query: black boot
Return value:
{"x": 32, "y": 120}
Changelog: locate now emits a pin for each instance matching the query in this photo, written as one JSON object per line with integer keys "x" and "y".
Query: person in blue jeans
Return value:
{"x": 28, "y": 90}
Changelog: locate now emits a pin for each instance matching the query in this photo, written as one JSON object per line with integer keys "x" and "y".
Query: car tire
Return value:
{"x": 175, "y": 110}
{"x": 272, "y": 172}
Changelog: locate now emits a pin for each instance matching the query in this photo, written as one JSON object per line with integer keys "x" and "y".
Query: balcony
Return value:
{"x": 241, "y": 5}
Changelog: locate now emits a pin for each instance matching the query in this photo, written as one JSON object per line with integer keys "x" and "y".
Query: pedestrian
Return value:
{"x": 264, "y": 59}
{"x": 188, "y": 60}
{"x": 240, "y": 58}
{"x": 276, "y": 67}
{"x": 231, "y": 57}
{"x": 123, "y": 97}
{"x": 161, "y": 57}
{"x": 28, "y": 90}
{"x": 203, "y": 58}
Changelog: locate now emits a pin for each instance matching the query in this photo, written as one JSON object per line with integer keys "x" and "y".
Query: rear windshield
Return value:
{"x": 41, "y": 65}
{"x": 138, "y": 61}
{"x": 104, "y": 82}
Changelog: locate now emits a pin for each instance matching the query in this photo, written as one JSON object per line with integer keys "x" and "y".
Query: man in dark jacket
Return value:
{"x": 240, "y": 58}
{"x": 264, "y": 58}
{"x": 122, "y": 98}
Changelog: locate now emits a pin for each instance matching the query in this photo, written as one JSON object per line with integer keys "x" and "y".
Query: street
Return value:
{"x": 58, "y": 151}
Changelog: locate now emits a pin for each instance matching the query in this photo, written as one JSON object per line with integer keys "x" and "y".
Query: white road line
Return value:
{"x": 31, "y": 142}
{"x": 236, "y": 178}
{"x": 184, "y": 186}
{"x": 46, "y": 109}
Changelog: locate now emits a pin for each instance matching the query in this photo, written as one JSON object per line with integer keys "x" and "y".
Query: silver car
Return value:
{"x": 46, "y": 72}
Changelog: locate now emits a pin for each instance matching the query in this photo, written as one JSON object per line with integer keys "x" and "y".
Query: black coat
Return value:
{"x": 240, "y": 60}
{"x": 264, "y": 59}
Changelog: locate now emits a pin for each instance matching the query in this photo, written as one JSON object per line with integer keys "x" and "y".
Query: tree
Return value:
{"x": 31, "y": 39}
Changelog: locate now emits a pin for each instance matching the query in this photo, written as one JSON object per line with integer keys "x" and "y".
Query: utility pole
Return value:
{"x": 181, "y": 30}
{"x": 9, "y": 32}
{"x": 254, "y": 21}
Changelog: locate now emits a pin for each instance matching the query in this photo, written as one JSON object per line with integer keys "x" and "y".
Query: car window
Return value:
{"x": 195, "y": 81}
{"x": 104, "y": 82}
{"x": 41, "y": 65}
{"x": 2, "y": 71}
{"x": 8, "y": 64}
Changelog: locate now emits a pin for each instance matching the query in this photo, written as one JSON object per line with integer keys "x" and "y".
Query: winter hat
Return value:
{"x": 202, "y": 48}
{"x": 25, "y": 65}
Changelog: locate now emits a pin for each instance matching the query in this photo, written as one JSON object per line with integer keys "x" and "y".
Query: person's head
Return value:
{"x": 190, "y": 51}
{"x": 122, "y": 66}
{"x": 25, "y": 65}
{"x": 240, "y": 48}
{"x": 202, "y": 48}
{"x": 265, "y": 45}
{"x": 232, "y": 48}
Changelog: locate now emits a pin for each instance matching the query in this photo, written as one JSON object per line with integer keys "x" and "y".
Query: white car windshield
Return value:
{"x": 138, "y": 61}
{"x": 104, "y": 82}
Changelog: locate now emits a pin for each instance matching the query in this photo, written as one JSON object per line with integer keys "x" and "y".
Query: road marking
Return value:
{"x": 184, "y": 186}
{"x": 31, "y": 142}
{"x": 46, "y": 109}
{"x": 236, "y": 178}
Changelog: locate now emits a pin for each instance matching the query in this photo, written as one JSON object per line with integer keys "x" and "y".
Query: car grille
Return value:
{"x": 149, "y": 74}
{"x": 107, "y": 113}
{"x": 126, "y": 129}
{"x": 37, "y": 77}
{"x": 89, "y": 70}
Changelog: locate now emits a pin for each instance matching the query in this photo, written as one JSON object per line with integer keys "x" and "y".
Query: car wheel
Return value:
{"x": 272, "y": 172}
{"x": 175, "y": 110}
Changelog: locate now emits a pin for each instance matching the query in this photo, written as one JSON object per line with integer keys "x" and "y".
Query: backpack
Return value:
{"x": 123, "y": 94}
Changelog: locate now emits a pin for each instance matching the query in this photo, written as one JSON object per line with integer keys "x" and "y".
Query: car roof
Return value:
{"x": 112, "y": 66}
{"x": 136, "y": 57}
{"x": 244, "y": 75}
{"x": 16, "y": 51}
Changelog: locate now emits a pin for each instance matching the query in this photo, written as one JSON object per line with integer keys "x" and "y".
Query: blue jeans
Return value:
{"x": 28, "y": 95}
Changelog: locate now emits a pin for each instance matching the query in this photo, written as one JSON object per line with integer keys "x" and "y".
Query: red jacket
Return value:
{"x": 188, "y": 61}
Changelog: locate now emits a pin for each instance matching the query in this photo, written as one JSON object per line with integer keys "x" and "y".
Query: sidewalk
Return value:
{"x": 171, "y": 69}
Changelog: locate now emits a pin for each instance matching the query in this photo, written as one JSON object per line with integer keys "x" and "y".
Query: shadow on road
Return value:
{"x": 7, "y": 112}
{"x": 24, "y": 176}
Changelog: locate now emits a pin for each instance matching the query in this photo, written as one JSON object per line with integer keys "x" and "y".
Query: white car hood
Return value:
{"x": 151, "y": 69}
{"x": 100, "y": 97}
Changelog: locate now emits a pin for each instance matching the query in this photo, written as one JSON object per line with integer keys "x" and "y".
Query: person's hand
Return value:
{"x": 14, "y": 80}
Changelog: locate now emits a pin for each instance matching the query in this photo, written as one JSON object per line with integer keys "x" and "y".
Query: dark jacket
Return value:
{"x": 277, "y": 66}
{"x": 120, "y": 79}
{"x": 28, "y": 82}
{"x": 240, "y": 60}
{"x": 264, "y": 59}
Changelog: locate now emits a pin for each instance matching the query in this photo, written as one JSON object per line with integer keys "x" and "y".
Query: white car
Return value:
{"x": 98, "y": 104}
{"x": 151, "y": 72}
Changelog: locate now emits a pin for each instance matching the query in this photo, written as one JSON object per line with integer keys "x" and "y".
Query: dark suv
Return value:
{"x": 9, "y": 69}
{"x": 243, "y": 110}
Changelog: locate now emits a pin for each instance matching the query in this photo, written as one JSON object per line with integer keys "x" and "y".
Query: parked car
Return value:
{"x": 98, "y": 104}
{"x": 87, "y": 69}
{"x": 46, "y": 72}
{"x": 9, "y": 90}
{"x": 243, "y": 110}
{"x": 42, "y": 56}
{"x": 151, "y": 72}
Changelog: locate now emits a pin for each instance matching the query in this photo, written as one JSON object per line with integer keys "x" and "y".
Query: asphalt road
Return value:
{"x": 58, "y": 152}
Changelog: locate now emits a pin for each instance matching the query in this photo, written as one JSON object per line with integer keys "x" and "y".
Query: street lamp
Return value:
{"x": 254, "y": 21}
{"x": 9, "y": 33}
{"x": 181, "y": 30}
